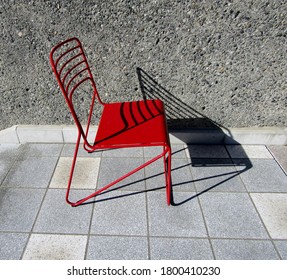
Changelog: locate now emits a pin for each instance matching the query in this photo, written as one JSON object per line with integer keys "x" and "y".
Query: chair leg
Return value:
{"x": 72, "y": 171}
{"x": 167, "y": 175}
{"x": 167, "y": 166}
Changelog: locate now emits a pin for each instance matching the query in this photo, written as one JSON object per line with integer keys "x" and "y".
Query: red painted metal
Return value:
{"x": 122, "y": 124}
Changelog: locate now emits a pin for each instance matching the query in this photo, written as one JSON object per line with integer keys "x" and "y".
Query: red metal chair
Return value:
{"x": 122, "y": 124}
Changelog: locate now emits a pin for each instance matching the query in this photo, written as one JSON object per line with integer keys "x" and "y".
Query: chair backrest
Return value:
{"x": 72, "y": 71}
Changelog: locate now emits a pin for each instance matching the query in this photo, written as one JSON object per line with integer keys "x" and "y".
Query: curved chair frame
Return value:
{"x": 122, "y": 124}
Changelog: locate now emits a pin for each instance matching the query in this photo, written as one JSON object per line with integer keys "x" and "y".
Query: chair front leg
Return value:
{"x": 72, "y": 170}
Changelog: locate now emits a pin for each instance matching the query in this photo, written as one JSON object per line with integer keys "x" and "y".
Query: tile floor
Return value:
{"x": 230, "y": 202}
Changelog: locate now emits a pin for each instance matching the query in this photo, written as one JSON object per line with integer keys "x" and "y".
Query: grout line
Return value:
{"x": 274, "y": 157}
{"x": 144, "y": 236}
{"x": 206, "y": 228}
{"x": 8, "y": 171}
{"x": 201, "y": 209}
{"x": 16, "y": 132}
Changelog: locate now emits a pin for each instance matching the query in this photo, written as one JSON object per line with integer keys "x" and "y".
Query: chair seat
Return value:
{"x": 131, "y": 124}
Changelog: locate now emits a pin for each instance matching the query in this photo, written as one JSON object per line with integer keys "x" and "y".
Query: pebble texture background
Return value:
{"x": 220, "y": 61}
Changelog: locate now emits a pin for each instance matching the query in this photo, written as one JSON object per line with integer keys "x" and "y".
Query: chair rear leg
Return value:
{"x": 167, "y": 166}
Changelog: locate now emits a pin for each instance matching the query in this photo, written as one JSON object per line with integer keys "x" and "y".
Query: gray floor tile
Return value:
{"x": 55, "y": 247}
{"x": 280, "y": 153}
{"x": 177, "y": 151}
{"x": 217, "y": 175}
{"x": 180, "y": 173}
{"x": 150, "y": 152}
{"x": 183, "y": 220}
{"x": 5, "y": 165}
{"x": 154, "y": 175}
{"x": 117, "y": 248}
{"x": 264, "y": 176}
{"x": 56, "y": 216}
{"x": 120, "y": 213}
{"x": 272, "y": 208}
{"x": 125, "y": 152}
{"x": 113, "y": 168}
{"x": 41, "y": 150}
{"x": 31, "y": 173}
{"x": 69, "y": 149}
{"x": 8, "y": 154}
{"x": 18, "y": 208}
{"x": 244, "y": 250}
{"x": 207, "y": 151}
{"x": 231, "y": 215}
{"x": 281, "y": 246}
{"x": 10, "y": 151}
{"x": 180, "y": 249}
{"x": 248, "y": 151}
{"x": 12, "y": 245}
{"x": 182, "y": 179}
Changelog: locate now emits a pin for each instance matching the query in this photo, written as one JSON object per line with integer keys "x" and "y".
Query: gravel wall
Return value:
{"x": 213, "y": 62}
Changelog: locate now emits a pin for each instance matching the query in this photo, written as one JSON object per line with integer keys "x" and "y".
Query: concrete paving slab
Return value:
{"x": 56, "y": 216}
{"x": 135, "y": 222}
{"x": 265, "y": 175}
{"x": 85, "y": 173}
{"x": 281, "y": 246}
{"x": 120, "y": 213}
{"x": 126, "y": 152}
{"x": 31, "y": 172}
{"x": 117, "y": 248}
{"x": 272, "y": 207}
{"x": 41, "y": 150}
{"x": 174, "y": 221}
{"x": 5, "y": 165}
{"x": 19, "y": 208}
{"x": 55, "y": 247}
{"x": 69, "y": 149}
{"x": 181, "y": 175}
{"x": 248, "y": 151}
{"x": 12, "y": 245}
{"x": 207, "y": 151}
{"x": 216, "y": 175}
{"x": 150, "y": 152}
{"x": 8, "y": 154}
{"x": 231, "y": 249}
{"x": 113, "y": 168}
{"x": 180, "y": 249}
{"x": 10, "y": 151}
{"x": 231, "y": 215}
{"x": 178, "y": 151}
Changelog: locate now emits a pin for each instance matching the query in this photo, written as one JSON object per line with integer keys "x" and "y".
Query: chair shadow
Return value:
{"x": 181, "y": 116}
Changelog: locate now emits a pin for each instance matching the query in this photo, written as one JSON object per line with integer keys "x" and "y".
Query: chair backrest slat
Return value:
{"x": 76, "y": 85}
{"x": 72, "y": 70}
{"x": 65, "y": 53}
{"x": 67, "y": 62}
